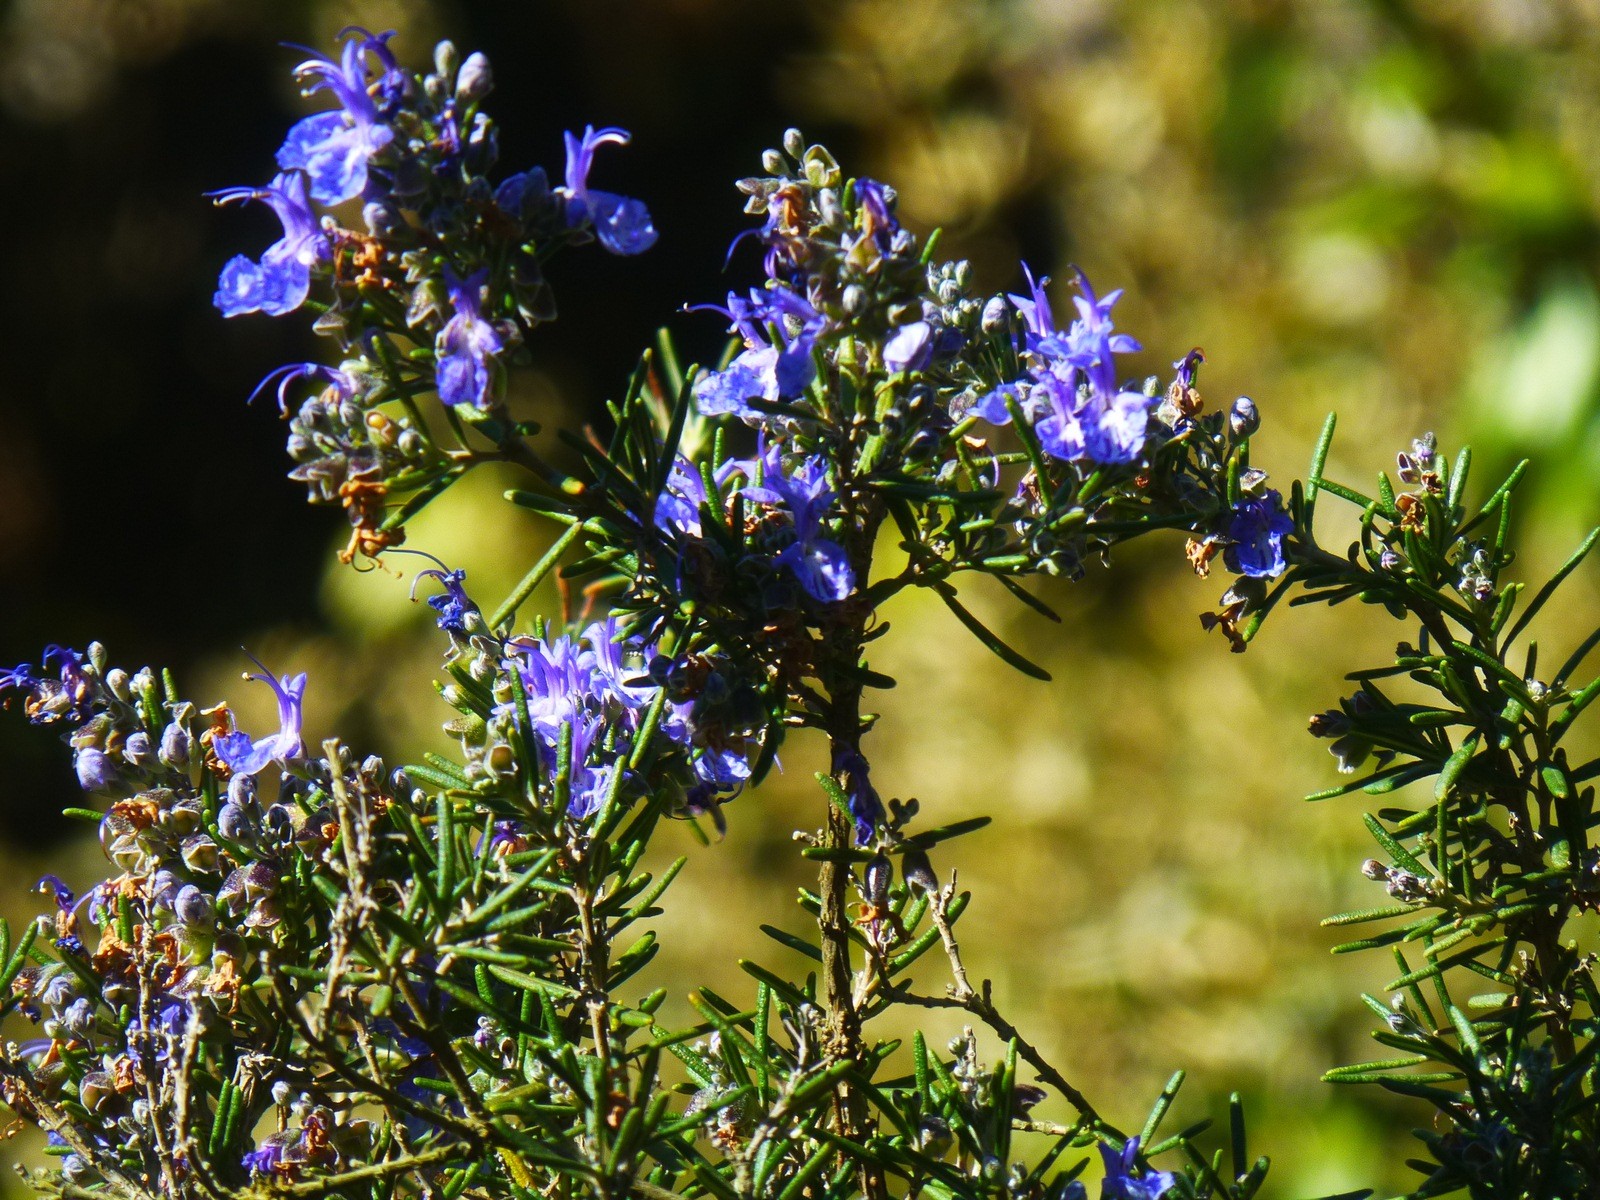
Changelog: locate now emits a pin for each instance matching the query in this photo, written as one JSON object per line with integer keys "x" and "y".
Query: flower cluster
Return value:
{"x": 438, "y": 285}
{"x": 607, "y": 714}
{"x": 1068, "y": 391}
{"x": 153, "y": 960}
{"x": 590, "y": 697}
{"x": 308, "y": 971}
{"x": 846, "y": 287}
{"x": 789, "y": 505}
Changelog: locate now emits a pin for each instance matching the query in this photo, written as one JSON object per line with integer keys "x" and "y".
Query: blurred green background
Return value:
{"x": 1387, "y": 208}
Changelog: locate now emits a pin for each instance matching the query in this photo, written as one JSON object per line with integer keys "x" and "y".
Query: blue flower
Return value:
{"x": 593, "y": 686}
{"x": 874, "y": 200}
{"x": 94, "y": 769}
{"x": 467, "y": 344}
{"x": 779, "y": 370}
{"x": 1121, "y": 1184}
{"x": 268, "y": 1158}
{"x": 992, "y": 406}
{"x": 20, "y": 678}
{"x": 1257, "y": 529}
{"x": 246, "y": 756}
{"x": 453, "y": 604}
{"x": 820, "y": 564}
{"x": 1069, "y": 390}
{"x": 865, "y": 805}
{"x": 278, "y": 282}
{"x": 64, "y": 897}
{"x": 677, "y": 508}
{"x": 910, "y": 348}
{"x": 1090, "y": 335}
{"x": 522, "y": 195}
{"x": 622, "y": 225}
{"x": 723, "y": 767}
{"x": 1187, "y": 366}
{"x": 590, "y": 782}
{"x": 333, "y": 147}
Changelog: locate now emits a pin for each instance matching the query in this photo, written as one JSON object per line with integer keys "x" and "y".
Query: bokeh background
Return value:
{"x": 1388, "y": 208}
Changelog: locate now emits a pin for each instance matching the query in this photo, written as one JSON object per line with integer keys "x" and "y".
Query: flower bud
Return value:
{"x": 175, "y": 746}
{"x": 234, "y": 823}
{"x": 79, "y": 1016}
{"x": 772, "y": 162}
{"x": 278, "y": 824}
{"x": 918, "y": 871}
{"x": 476, "y": 79}
{"x": 58, "y": 992}
{"x": 241, "y": 790}
{"x": 381, "y": 219}
{"x": 879, "y": 874}
{"x": 1243, "y": 419}
{"x": 194, "y": 908}
{"x": 996, "y": 315}
{"x": 793, "y": 143}
{"x": 93, "y": 768}
{"x": 138, "y": 750}
{"x": 831, "y": 210}
{"x": 445, "y": 58}
{"x": 97, "y": 1092}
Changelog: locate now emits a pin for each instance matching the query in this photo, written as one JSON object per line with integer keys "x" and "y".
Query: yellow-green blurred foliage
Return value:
{"x": 1388, "y": 209}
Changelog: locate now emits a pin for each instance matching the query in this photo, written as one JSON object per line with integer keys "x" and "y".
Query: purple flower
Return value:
{"x": 865, "y": 805}
{"x": 453, "y": 604}
{"x": 1121, "y": 1184}
{"x": 612, "y": 676}
{"x": 820, "y": 564}
{"x": 748, "y": 377}
{"x": 521, "y": 195}
{"x": 874, "y": 200}
{"x": 467, "y": 344}
{"x": 622, "y": 225}
{"x": 724, "y": 768}
{"x": 94, "y": 769}
{"x": 504, "y": 837}
{"x": 1069, "y": 390}
{"x": 556, "y": 682}
{"x": 781, "y": 370}
{"x": 278, "y": 282}
{"x": 910, "y": 348}
{"x": 678, "y": 506}
{"x": 268, "y": 1158}
{"x": 992, "y": 405}
{"x": 1187, "y": 366}
{"x": 1091, "y": 334}
{"x": 64, "y": 897}
{"x": 20, "y": 677}
{"x": 333, "y": 147}
{"x": 1257, "y": 529}
{"x": 590, "y": 782}
{"x": 1114, "y": 426}
{"x": 246, "y": 756}
{"x": 594, "y": 686}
